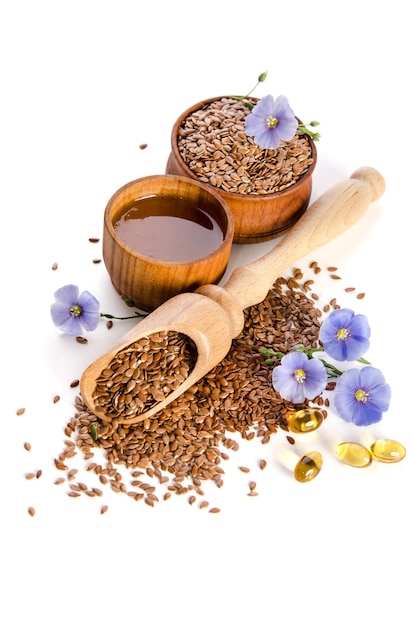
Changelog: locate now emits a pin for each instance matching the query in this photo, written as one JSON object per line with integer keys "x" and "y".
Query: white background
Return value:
{"x": 83, "y": 84}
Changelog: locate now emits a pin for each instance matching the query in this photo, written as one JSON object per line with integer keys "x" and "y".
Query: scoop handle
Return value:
{"x": 331, "y": 214}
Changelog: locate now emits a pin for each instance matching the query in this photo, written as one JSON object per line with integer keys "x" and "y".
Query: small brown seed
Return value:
{"x": 244, "y": 469}
{"x": 360, "y": 296}
{"x": 79, "y": 339}
{"x": 27, "y": 446}
{"x": 104, "y": 509}
{"x": 94, "y": 239}
{"x": 215, "y": 509}
{"x": 31, "y": 511}
{"x": 54, "y": 266}
{"x": 20, "y": 411}
{"x": 56, "y": 399}
{"x": 74, "y": 383}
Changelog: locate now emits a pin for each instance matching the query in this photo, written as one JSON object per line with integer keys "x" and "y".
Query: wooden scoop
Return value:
{"x": 213, "y": 316}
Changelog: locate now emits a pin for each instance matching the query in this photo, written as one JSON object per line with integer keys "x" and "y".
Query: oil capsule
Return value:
{"x": 305, "y": 420}
{"x": 388, "y": 451}
{"x": 354, "y": 454}
{"x": 308, "y": 467}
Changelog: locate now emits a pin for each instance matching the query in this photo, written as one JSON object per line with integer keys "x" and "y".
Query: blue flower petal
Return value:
{"x": 285, "y": 382}
{"x": 68, "y": 297}
{"x": 266, "y": 136}
{"x": 372, "y": 382}
{"x": 355, "y": 344}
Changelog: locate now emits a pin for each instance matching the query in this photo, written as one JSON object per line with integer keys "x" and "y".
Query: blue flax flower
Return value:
{"x": 72, "y": 312}
{"x": 362, "y": 396}
{"x": 345, "y": 336}
{"x": 271, "y": 121}
{"x": 298, "y": 378}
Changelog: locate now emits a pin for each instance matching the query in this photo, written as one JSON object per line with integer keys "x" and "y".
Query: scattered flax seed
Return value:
{"x": 167, "y": 495}
{"x": 335, "y": 277}
{"x": 244, "y": 469}
{"x": 332, "y": 269}
{"x": 317, "y": 270}
{"x": 20, "y": 411}
{"x": 73, "y": 494}
{"x": 74, "y": 383}
{"x": 27, "y": 446}
{"x": 290, "y": 439}
{"x": 253, "y": 493}
{"x": 104, "y": 509}
{"x": 349, "y": 289}
{"x": 313, "y": 264}
{"x": 94, "y": 239}
{"x": 31, "y": 511}
{"x": 54, "y": 266}
{"x": 326, "y": 308}
{"x": 215, "y": 509}
{"x": 191, "y": 499}
{"x": 38, "y": 473}
{"x": 109, "y": 324}
{"x": 80, "y": 339}
{"x": 252, "y": 485}
{"x": 262, "y": 464}
{"x": 360, "y": 296}
{"x": 142, "y": 146}
{"x": 97, "y": 261}
{"x": 59, "y": 465}
{"x": 203, "y": 504}
{"x": 30, "y": 476}
{"x": 59, "y": 481}
{"x": 56, "y": 399}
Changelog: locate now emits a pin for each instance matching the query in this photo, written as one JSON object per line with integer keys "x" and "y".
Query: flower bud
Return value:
{"x": 262, "y": 77}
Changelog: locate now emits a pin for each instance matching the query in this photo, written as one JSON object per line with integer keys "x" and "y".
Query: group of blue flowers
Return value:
{"x": 361, "y": 394}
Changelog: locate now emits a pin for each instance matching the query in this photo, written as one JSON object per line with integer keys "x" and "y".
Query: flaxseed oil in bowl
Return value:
{"x": 169, "y": 228}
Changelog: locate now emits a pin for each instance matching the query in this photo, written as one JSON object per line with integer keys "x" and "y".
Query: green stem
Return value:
{"x": 130, "y": 317}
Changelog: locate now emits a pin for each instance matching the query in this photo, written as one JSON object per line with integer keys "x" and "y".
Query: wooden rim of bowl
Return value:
{"x": 230, "y": 194}
{"x": 227, "y": 238}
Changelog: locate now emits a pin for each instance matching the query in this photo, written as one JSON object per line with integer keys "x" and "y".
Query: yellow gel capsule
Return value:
{"x": 353, "y": 454}
{"x": 308, "y": 466}
{"x": 388, "y": 451}
{"x": 305, "y": 420}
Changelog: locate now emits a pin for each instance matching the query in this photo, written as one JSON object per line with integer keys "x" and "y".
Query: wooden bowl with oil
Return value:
{"x": 165, "y": 235}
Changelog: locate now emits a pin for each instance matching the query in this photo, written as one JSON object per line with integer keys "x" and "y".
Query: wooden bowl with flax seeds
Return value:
{"x": 266, "y": 190}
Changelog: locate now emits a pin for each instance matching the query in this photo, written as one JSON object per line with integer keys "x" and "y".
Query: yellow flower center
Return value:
{"x": 76, "y": 311}
{"x": 361, "y": 395}
{"x": 342, "y": 333}
{"x": 272, "y": 122}
{"x": 300, "y": 376}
